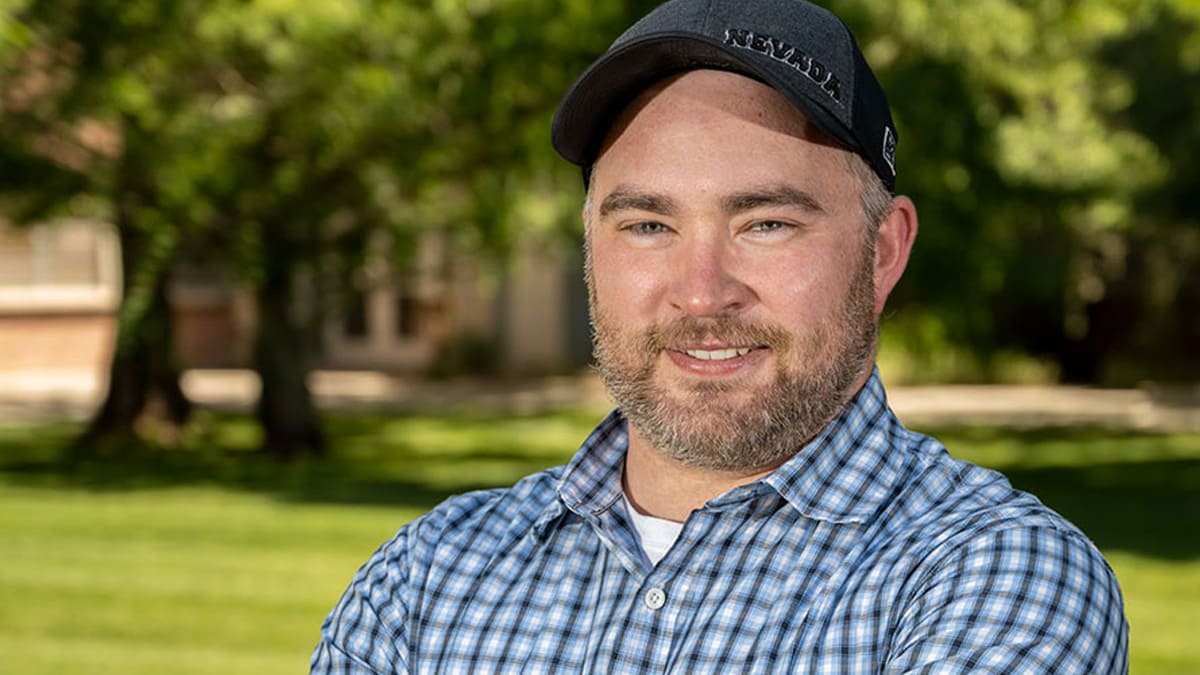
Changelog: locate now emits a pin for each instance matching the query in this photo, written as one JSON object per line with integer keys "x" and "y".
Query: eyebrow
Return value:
{"x": 627, "y": 199}
{"x": 771, "y": 195}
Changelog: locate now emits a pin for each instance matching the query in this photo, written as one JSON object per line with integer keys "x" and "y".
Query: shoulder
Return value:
{"x": 996, "y": 576}
{"x": 371, "y": 627}
{"x": 948, "y": 512}
{"x": 480, "y": 521}
{"x": 959, "y": 499}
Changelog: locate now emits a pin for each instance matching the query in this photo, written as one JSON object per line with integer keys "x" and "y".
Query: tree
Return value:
{"x": 280, "y": 135}
{"x": 1020, "y": 139}
{"x": 89, "y": 135}
{"x": 400, "y": 118}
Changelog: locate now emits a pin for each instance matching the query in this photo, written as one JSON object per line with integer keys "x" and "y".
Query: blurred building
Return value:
{"x": 60, "y": 289}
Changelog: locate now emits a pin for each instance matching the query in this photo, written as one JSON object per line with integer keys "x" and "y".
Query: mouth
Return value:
{"x": 717, "y": 360}
{"x": 723, "y": 354}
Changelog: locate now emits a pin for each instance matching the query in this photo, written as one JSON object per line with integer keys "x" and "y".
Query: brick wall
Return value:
{"x": 56, "y": 342}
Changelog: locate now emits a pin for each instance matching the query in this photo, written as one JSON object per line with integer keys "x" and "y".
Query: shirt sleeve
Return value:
{"x": 365, "y": 633}
{"x": 1019, "y": 600}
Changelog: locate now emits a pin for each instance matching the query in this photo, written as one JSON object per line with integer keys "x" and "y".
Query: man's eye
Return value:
{"x": 648, "y": 227}
{"x": 769, "y": 226}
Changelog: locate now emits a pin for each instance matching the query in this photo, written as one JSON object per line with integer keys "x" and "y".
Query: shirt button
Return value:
{"x": 655, "y": 598}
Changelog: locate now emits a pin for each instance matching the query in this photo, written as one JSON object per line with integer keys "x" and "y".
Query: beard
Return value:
{"x": 729, "y": 425}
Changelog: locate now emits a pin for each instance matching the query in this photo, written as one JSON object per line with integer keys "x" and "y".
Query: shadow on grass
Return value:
{"x": 1130, "y": 491}
{"x": 386, "y": 461}
{"x": 306, "y": 481}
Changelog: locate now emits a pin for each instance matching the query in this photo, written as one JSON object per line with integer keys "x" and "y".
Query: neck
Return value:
{"x": 659, "y": 486}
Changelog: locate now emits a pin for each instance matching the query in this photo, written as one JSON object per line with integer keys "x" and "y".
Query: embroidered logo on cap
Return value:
{"x": 889, "y": 148}
{"x": 785, "y": 53}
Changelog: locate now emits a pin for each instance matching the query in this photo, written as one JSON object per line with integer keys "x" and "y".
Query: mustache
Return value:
{"x": 691, "y": 330}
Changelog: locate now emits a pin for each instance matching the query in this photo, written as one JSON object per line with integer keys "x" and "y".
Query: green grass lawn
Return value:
{"x": 204, "y": 558}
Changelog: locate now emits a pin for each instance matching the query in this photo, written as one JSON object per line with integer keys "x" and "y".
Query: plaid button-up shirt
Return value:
{"x": 870, "y": 551}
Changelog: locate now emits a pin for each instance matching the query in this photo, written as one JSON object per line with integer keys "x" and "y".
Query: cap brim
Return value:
{"x": 618, "y": 77}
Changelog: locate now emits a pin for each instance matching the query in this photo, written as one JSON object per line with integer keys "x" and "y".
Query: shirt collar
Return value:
{"x": 591, "y": 482}
{"x": 851, "y": 467}
{"x": 844, "y": 474}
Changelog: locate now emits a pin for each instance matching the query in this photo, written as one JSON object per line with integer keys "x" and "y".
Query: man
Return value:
{"x": 752, "y": 506}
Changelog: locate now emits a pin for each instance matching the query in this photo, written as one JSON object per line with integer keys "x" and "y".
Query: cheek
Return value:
{"x": 624, "y": 283}
{"x": 799, "y": 290}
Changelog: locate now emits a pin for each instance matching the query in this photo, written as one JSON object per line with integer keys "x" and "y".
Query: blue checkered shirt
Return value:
{"x": 870, "y": 551}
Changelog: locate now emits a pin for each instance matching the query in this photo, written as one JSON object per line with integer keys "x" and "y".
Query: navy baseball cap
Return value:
{"x": 805, "y": 52}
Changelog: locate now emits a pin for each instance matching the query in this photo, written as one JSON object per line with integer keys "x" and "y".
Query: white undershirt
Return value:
{"x": 657, "y": 535}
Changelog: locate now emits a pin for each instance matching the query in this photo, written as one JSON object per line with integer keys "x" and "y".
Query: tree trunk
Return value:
{"x": 143, "y": 367}
{"x": 282, "y": 355}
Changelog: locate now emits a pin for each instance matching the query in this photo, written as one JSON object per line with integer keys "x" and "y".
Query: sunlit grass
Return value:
{"x": 1162, "y": 602}
{"x": 173, "y": 580}
{"x": 205, "y": 558}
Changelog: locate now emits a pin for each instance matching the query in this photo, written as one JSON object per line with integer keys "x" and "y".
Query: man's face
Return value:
{"x": 730, "y": 279}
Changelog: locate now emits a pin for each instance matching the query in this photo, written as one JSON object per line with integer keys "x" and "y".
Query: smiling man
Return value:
{"x": 752, "y": 506}
{"x": 735, "y": 282}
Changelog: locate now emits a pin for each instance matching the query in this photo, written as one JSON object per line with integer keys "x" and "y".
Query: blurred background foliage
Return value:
{"x": 1050, "y": 147}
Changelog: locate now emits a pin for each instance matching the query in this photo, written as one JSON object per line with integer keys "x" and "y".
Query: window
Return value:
{"x": 354, "y": 322}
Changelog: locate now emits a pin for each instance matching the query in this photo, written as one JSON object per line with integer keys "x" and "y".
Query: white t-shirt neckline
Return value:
{"x": 656, "y": 535}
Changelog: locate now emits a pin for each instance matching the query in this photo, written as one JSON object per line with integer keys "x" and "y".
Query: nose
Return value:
{"x": 706, "y": 280}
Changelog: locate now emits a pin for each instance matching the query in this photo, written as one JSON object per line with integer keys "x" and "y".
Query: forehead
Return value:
{"x": 698, "y": 96}
{"x": 716, "y": 128}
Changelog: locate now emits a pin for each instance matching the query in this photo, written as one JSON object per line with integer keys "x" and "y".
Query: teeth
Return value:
{"x": 717, "y": 354}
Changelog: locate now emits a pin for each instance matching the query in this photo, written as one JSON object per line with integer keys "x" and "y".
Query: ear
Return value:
{"x": 892, "y": 247}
